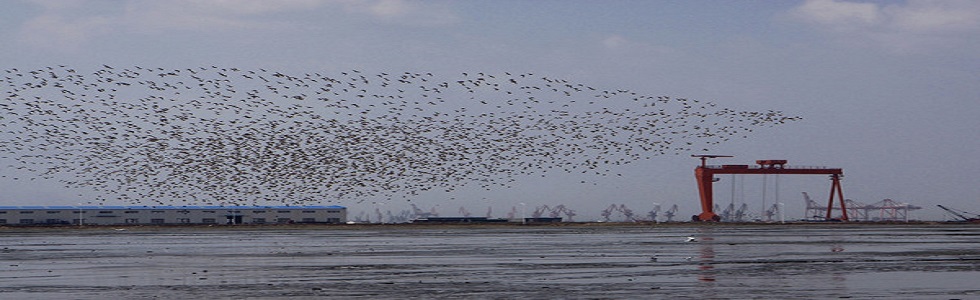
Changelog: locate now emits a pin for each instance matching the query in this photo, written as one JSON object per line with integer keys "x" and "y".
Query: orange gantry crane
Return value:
{"x": 705, "y": 175}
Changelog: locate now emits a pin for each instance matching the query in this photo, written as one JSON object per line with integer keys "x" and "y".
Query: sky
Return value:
{"x": 888, "y": 90}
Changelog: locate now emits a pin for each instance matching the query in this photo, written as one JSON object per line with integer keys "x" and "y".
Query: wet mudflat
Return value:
{"x": 825, "y": 261}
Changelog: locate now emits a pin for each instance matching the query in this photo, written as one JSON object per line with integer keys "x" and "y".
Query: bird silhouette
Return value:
{"x": 205, "y": 135}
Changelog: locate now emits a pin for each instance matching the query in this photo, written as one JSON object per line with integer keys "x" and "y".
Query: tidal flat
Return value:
{"x": 611, "y": 261}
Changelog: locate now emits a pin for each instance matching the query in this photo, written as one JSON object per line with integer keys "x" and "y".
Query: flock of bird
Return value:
{"x": 209, "y": 135}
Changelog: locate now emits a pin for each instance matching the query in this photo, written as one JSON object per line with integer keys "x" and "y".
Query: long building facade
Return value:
{"x": 169, "y": 215}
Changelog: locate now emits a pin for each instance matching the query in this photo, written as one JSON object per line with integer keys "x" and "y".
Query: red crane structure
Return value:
{"x": 705, "y": 175}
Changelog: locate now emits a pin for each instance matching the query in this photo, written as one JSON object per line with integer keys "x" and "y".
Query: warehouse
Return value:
{"x": 169, "y": 215}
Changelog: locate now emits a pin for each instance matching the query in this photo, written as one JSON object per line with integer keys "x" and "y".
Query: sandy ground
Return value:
{"x": 571, "y": 261}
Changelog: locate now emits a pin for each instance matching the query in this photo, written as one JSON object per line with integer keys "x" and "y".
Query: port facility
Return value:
{"x": 169, "y": 215}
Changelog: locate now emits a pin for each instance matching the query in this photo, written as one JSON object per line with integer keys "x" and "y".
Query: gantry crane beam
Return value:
{"x": 705, "y": 175}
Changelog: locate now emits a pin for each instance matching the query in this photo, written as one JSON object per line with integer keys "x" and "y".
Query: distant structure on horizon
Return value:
{"x": 882, "y": 211}
{"x": 170, "y": 215}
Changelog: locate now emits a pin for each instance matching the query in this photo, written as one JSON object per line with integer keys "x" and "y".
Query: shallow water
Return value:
{"x": 455, "y": 262}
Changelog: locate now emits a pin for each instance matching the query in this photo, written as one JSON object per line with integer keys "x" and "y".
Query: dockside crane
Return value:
{"x": 961, "y": 214}
{"x": 705, "y": 175}
{"x": 740, "y": 213}
{"x": 653, "y": 213}
{"x": 561, "y": 209}
{"x": 670, "y": 213}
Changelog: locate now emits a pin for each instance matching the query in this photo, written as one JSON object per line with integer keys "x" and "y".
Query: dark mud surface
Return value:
{"x": 497, "y": 262}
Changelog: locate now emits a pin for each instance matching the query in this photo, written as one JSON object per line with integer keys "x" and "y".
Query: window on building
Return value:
{"x": 258, "y": 211}
{"x": 309, "y": 220}
{"x": 183, "y": 220}
{"x": 209, "y": 221}
{"x": 283, "y": 220}
{"x": 3, "y": 221}
{"x": 284, "y": 211}
{"x": 258, "y": 220}
{"x": 157, "y": 211}
{"x": 3, "y": 212}
{"x": 27, "y": 221}
{"x": 157, "y": 221}
{"x": 53, "y": 221}
{"x": 132, "y": 221}
{"x": 53, "y": 211}
{"x": 309, "y": 211}
{"x": 132, "y": 212}
{"x": 27, "y": 211}
{"x": 105, "y": 211}
{"x": 208, "y": 211}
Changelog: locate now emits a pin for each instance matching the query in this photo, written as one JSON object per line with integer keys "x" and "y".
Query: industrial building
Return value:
{"x": 169, "y": 215}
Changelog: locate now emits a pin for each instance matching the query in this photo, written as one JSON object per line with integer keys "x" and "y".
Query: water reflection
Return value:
{"x": 706, "y": 258}
{"x": 528, "y": 262}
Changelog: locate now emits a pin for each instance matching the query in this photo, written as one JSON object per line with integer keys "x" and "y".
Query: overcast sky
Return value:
{"x": 888, "y": 90}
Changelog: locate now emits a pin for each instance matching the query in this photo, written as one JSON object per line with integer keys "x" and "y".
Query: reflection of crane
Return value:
{"x": 670, "y": 213}
{"x": 464, "y": 212}
{"x": 961, "y": 214}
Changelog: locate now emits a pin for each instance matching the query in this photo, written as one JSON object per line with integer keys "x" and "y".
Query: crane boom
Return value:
{"x": 955, "y": 213}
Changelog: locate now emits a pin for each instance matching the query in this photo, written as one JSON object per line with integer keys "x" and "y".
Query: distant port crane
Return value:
{"x": 654, "y": 212}
{"x": 627, "y": 213}
{"x": 554, "y": 212}
{"x": 670, "y": 213}
{"x": 961, "y": 214}
{"x": 884, "y": 210}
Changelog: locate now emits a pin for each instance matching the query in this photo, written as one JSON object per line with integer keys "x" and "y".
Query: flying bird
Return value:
{"x": 235, "y": 136}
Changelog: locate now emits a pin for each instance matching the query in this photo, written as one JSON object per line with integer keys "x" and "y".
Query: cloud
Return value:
{"x": 838, "y": 13}
{"x": 67, "y": 25}
{"x": 57, "y": 28}
{"x": 935, "y": 16}
{"x": 248, "y": 7}
{"x": 225, "y": 14}
{"x": 911, "y": 26}
{"x": 615, "y": 42}
{"x": 417, "y": 13}
{"x": 216, "y": 15}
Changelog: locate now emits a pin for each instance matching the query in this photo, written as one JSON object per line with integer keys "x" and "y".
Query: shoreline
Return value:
{"x": 123, "y": 227}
